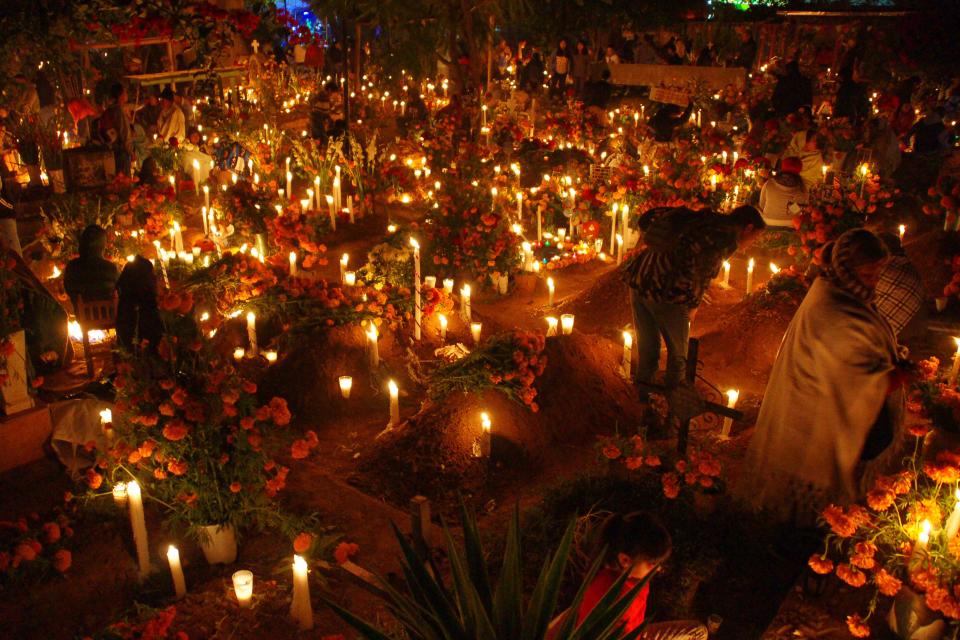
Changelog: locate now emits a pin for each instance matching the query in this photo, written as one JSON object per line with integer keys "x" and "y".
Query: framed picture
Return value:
{"x": 88, "y": 168}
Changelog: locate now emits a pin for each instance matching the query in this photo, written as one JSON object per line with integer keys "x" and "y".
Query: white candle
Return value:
{"x": 619, "y": 248}
{"x": 417, "y": 309}
{"x": 139, "y": 526}
{"x": 394, "y": 404}
{"x": 953, "y": 522}
{"x": 333, "y": 213}
{"x": 465, "y": 302}
{"x": 726, "y": 274}
{"x": 270, "y": 355}
{"x": 289, "y": 186}
{"x": 429, "y": 282}
{"x": 243, "y": 587}
{"x": 177, "y": 238}
{"x": 732, "y": 396}
{"x": 196, "y": 176}
{"x": 346, "y": 384}
{"x": 252, "y": 332}
{"x": 350, "y": 209}
{"x": 552, "y": 323}
{"x": 486, "y": 427}
{"x": 300, "y": 609}
{"x": 519, "y": 206}
{"x": 239, "y": 353}
{"x": 206, "y": 196}
{"x": 350, "y": 278}
{"x": 448, "y": 286}
{"x": 566, "y": 323}
{"x": 203, "y": 218}
{"x": 920, "y": 547}
{"x": 955, "y": 369}
{"x": 316, "y": 188}
{"x": 443, "y": 327}
{"x": 337, "y": 203}
{"x": 613, "y": 228}
{"x": 374, "y": 348}
{"x": 120, "y": 494}
{"x": 750, "y": 266}
{"x": 176, "y": 571}
{"x": 475, "y": 328}
{"x": 344, "y": 261}
{"x": 903, "y": 230}
{"x": 293, "y": 263}
{"x": 626, "y": 366}
{"x": 551, "y": 288}
{"x": 173, "y": 183}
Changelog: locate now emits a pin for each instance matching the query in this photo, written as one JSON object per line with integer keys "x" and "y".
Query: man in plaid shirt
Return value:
{"x": 683, "y": 253}
{"x": 899, "y": 294}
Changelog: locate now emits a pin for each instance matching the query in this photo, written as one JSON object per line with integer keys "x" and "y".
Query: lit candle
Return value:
{"x": 903, "y": 230}
{"x": 270, "y": 355}
{"x": 550, "y": 290}
{"x": 823, "y": 170}
{"x": 120, "y": 494}
{"x": 204, "y": 219}
{"x": 774, "y": 269}
{"x": 626, "y": 366}
{"x": 316, "y": 189}
{"x": 350, "y": 209}
{"x": 394, "y": 404}
{"x": 613, "y": 228}
{"x": 346, "y": 384}
{"x": 239, "y": 353}
{"x": 177, "y": 238}
{"x": 619, "y": 249}
{"x": 732, "y": 396}
{"x": 196, "y": 176}
{"x": 350, "y": 278}
{"x": 920, "y": 547}
{"x": 344, "y": 261}
{"x": 485, "y": 435}
{"x": 953, "y": 522}
{"x": 465, "y": 302}
{"x": 540, "y": 223}
{"x": 206, "y": 196}
{"x": 333, "y": 213}
{"x": 176, "y": 571}
{"x": 552, "y": 323}
{"x": 726, "y": 274}
{"x": 448, "y": 286}
{"x": 300, "y": 609}
{"x": 374, "y": 349}
{"x": 750, "y": 266}
{"x": 713, "y": 182}
{"x": 475, "y": 328}
{"x": 955, "y": 369}
{"x": 566, "y": 323}
{"x": 337, "y": 202}
{"x": 443, "y": 327}
{"x": 243, "y": 587}
{"x": 519, "y": 206}
{"x": 417, "y": 309}
{"x": 252, "y": 332}
{"x": 289, "y": 186}
{"x": 293, "y": 263}
{"x": 139, "y": 526}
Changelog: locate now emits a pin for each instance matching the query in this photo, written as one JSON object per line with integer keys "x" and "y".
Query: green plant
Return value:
{"x": 472, "y": 607}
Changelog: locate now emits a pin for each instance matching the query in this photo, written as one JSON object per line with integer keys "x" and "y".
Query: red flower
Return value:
{"x": 303, "y": 542}
{"x": 345, "y": 551}
{"x": 62, "y": 560}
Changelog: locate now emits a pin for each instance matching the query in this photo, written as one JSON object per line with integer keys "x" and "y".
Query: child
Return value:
{"x": 638, "y": 544}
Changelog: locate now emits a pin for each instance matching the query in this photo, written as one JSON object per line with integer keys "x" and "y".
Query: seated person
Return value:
{"x": 138, "y": 318}
{"x": 667, "y": 119}
{"x": 807, "y": 146}
{"x": 90, "y": 276}
{"x": 780, "y": 192}
{"x": 638, "y": 544}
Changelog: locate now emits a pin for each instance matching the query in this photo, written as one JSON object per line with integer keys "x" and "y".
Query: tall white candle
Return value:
{"x": 417, "y": 309}
{"x": 486, "y": 427}
{"x": 374, "y": 348}
{"x": 350, "y": 209}
{"x": 619, "y": 248}
{"x": 177, "y": 238}
{"x": 316, "y": 188}
{"x": 613, "y": 227}
{"x": 627, "y": 365}
{"x": 289, "y": 186}
{"x": 252, "y": 332}
{"x": 552, "y": 323}
{"x": 196, "y": 176}
{"x": 173, "y": 184}
{"x": 519, "y": 206}
{"x": 176, "y": 571}
{"x": 750, "y": 266}
{"x": 139, "y": 526}
{"x": 953, "y": 522}
{"x": 206, "y": 196}
{"x": 293, "y": 263}
{"x": 394, "y": 404}
{"x": 955, "y": 369}
{"x": 726, "y": 274}
{"x": 243, "y": 587}
{"x": 333, "y": 213}
{"x": 732, "y": 396}
{"x": 337, "y": 200}
{"x": 203, "y": 217}
{"x": 465, "y": 302}
{"x": 919, "y": 550}
{"x": 551, "y": 288}
{"x": 443, "y": 327}
{"x": 300, "y": 608}
{"x": 475, "y": 329}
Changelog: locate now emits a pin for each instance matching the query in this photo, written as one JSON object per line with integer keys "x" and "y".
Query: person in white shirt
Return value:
{"x": 171, "y": 123}
{"x": 611, "y": 56}
{"x": 783, "y": 194}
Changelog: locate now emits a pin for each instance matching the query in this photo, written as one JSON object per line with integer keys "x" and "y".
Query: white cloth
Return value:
{"x": 172, "y": 124}
{"x": 826, "y": 391}
{"x": 812, "y": 172}
{"x": 203, "y": 160}
{"x": 776, "y": 198}
{"x": 75, "y": 423}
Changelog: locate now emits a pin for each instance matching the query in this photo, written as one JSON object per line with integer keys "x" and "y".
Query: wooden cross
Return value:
{"x": 685, "y": 401}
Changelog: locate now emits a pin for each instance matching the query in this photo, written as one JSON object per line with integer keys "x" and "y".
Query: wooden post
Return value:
{"x": 420, "y": 524}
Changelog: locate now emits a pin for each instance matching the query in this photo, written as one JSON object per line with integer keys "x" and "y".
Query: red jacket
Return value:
{"x": 605, "y": 578}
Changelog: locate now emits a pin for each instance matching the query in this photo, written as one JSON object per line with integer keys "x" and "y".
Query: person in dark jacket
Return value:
{"x": 852, "y": 101}
{"x": 793, "y": 91}
{"x": 90, "y": 276}
{"x": 666, "y": 120}
{"x": 138, "y": 317}
{"x": 580, "y": 68}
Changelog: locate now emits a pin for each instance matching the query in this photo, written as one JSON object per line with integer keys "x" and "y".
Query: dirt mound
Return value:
{"x": 580, "y": 394}
{"x": 602, "y": 307}
{"x": 745, "y": 341}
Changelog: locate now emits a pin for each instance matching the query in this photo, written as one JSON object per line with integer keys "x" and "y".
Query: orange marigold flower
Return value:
{"x": 611, "y": 451}
{"x": 652, "y": 461}
{"x": 839, "y": 523}
{"x": 302, "y": 542}
{"x": 858, "y": 628}
{"x": 862, "y": 561}
{"x": 866, "y": 549}
{"x": 633, "y": 462}
{"x": 820, "y": 564}
{"x": 62, "y": 560}
{"x": 881, "y": 499}
{"x": 175, "y": 431}
{"x": 851, "y": 575}
{"x": 235, "y": 487}
{"x": 887, "y": 584}
{"x": 94, "y": 479}
{"x": 345, "y": 551}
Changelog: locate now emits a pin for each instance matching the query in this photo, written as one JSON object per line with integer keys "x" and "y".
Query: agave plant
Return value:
{"x": 470, "y": 607}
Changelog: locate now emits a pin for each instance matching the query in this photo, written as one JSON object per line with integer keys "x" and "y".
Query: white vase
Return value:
{"x": 16, "y": 397}
{"x": 219, "y": 544}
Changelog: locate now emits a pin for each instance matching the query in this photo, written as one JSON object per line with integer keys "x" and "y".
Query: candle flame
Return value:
{"x": 627, "y": 339}
{"x": 750, "y": 264}
{"x": 732, "y": 396}
{"x": 774, "y": 269}
{"x": 394, "y": 389}
{"x": 299, "y": 563}
{"x": 485, "y": 422}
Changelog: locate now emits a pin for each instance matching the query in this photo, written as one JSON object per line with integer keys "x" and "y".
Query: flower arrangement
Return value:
{"x": 508, "y": 362}
{"x": 11, "y": 307}
{"x": 32, "y": 545}
{"x": 934, "y": 398}
{"x": 945, "y": 200}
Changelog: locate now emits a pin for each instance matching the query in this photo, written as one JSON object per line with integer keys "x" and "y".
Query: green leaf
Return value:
{"x": 544, "y": 599}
